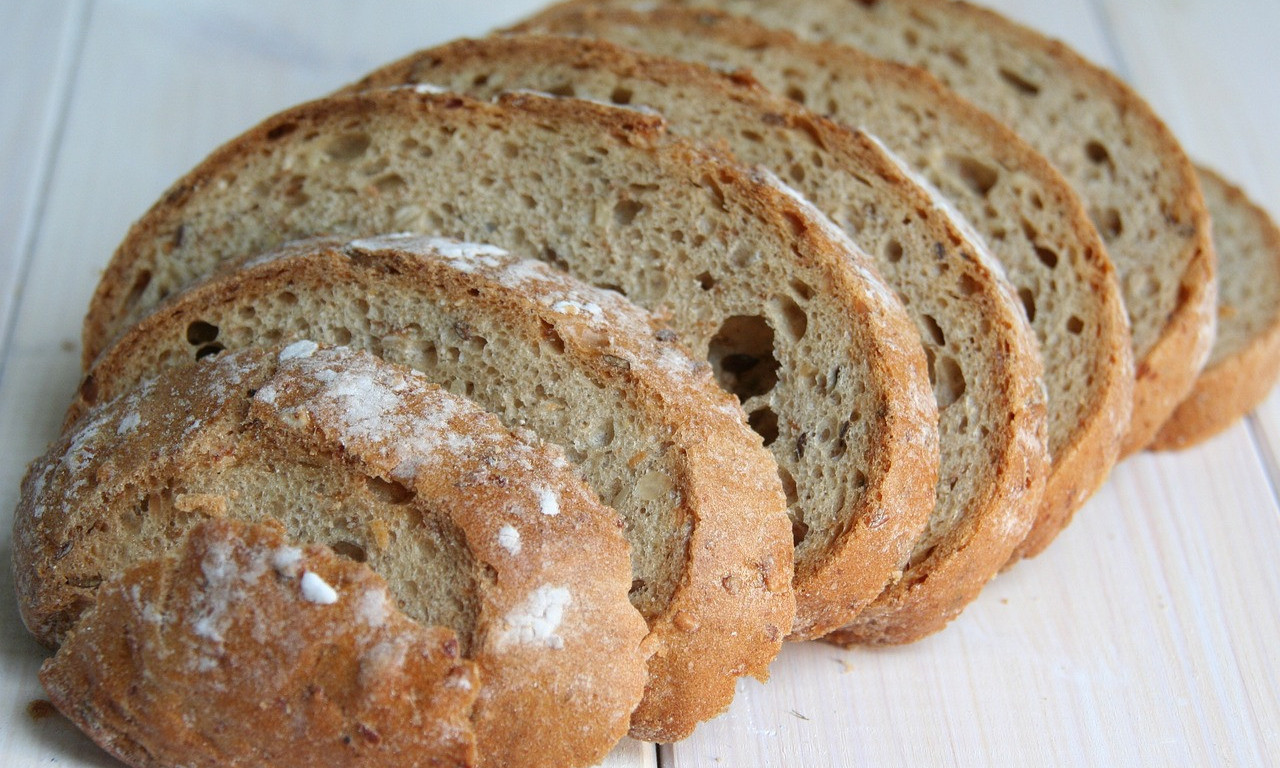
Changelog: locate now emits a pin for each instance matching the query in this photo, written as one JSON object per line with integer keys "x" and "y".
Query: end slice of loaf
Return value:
{"x": 790, "y": 314}
{"x": 1031, "y": 219}
{"x": 1140, "y": 188}
{"x": 213, "y": 656}
{"x": 369, "y": 458}
{"x": 1245, "y": 360}
{"x": 984, "y": 361}
{"x": 581, "y": 367}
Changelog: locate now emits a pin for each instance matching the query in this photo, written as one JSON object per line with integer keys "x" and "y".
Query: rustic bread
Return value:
{"x": 142, "y": 674}
{"x": 789, "y": 313}
{"x": 369, "y": 458}
{"x": 1139, "y": 186}
{"x": 1245, "y": 359}
{"x": 581, "y": 367}
{"x": 1028, "y": 214}
{"x": 983, "y": 357}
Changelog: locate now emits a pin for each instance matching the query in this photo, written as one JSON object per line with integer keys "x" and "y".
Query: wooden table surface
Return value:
{"x": 1148, "y": 635}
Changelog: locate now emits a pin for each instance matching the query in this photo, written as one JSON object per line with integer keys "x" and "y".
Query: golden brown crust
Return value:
{"x": 1085, "y": 445}
{"x": 706, "y": 636}
{"x": 216, "y": 658}
{"x": 406, "y": 468}
{"x": 1231, "y": 387}
{"x": 877, "y": 522}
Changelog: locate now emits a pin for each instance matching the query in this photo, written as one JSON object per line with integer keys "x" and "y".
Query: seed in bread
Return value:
{"x": 369, "y": 458}
{"x": 581, "y": 367}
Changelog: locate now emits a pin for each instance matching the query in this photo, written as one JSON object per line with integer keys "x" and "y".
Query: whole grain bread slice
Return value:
{"x": 137, "y": 674}
{"x": 581, "y": 367}
{"x": 790, "y": 314}
{"x": 1245, "y": 360}
{"x": 1029, "y": 216}
{"x": 1140, "y": 188}
{"x": 983, "y": 358}
{"x": 349, "y": 451}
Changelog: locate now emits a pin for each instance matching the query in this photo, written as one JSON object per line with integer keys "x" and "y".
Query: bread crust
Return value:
{"x": 406, "y": 468}
{"x": 878, "y": 521}
{"x": 1003, "y": 361}
{"x": 1234, "y": 385}
{"x": 704, "y": 635}
{"x": 288, "y": 682}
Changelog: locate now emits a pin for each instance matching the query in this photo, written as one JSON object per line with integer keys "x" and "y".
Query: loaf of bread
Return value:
{"x": 791, "y": 316}
{"x": 983, "y": 357}
{"x": 1245, "y": 360}
{"x": 474, "y": 527}
{"x": 241, "y": 650}
{"x": 1031, "y": 219}
{"x": 1139, "y": 186}
{"x": 581, "y": 367}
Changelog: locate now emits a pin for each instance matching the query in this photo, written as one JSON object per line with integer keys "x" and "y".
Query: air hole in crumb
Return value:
{"x": 200, "y": 332}
{"x": 637, "y": 586}
{"x": 797, "y": 173}
{"x": 389, "y": 183}
{"x": 1097, "y": 153}
{"x": 564, "y": 89}
{"x": 794, "y": 320}
{"x": 140, "y": 284}
{"x": 1019, "y": 83}
{"x": 1075, "y": 325}
{"x": 975, "y": 174}
{"x": 893, "y": 251}
{"x": 741, "y": 354}
{"x": 795, "y": 93}
{"x": 1109, "y": 223}
{"x": 752, "y": 136}
{"x": 788, "y": 486}
{"x": 280, "y": 131}
{"x": 207, "y": 350}
{"x": 706, "y": 281}
{"x": 798, "y": 531}
{"x": 968, "y": 286}
{"x": 387, "y": 491}
{"x": 764, "y": 422}
{"x": 948, "y": 379}
{"x": 288, "y": 298}
{"x": 349, "y": 550}
{"x": 1028, "y": 303}
{"x": 552, "y": 337}
{"x": 625, "y": 212}
{"x": 932, "y": 328}
{"x": 348, "y": 146}
{"x": 802, "y": 290}
{"x": 621, "y": 95}
{"x": 1047, "y": 257}
{"x": 89, "y": 390}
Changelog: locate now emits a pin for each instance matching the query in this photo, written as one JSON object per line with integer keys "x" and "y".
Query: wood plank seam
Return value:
{"x": 48, "y": 149}
{"x": 1266, "y": 454}
{"x": 1118, "y": 64}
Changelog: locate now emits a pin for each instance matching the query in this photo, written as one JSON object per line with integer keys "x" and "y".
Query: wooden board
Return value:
{"x": 1144, "y": 636}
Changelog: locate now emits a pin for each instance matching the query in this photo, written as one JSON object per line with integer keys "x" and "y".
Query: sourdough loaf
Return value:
{"x": 983, "y": 357}
{"x": 1033, "y": 222}
{"x": 790, "y": 315}
{"x": 242, "y": 650}
{"x": 581, "y": 367}
{"x": 1139, "y": 186}
{"x": 1245, "y": 359}
{"x": 474, "y": 527}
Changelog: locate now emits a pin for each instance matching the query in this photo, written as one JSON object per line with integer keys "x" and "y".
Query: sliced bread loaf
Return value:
{"x": 212, "y": 657}
{"x": 581, "y": 367}
{"x": 982, "y": 355}
{"x": 1139, "y": 186}
{"x": 789, "y": 313}
{"x": 1031, "y": 219}
{"x": 1245, "y": 360}
{"x": 369, "y": 458}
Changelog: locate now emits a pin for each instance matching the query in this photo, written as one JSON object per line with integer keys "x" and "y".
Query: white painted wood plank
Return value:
{"x": 40, "y": 41}
{"x": 159, "y": 85}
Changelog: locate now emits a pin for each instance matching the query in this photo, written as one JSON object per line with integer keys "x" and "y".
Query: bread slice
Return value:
{"x": 983, "y": 357}
{"x": 369, "y": 458}
{"x": 581, "y": 367}
{"x": 789, "y": 313}
{"x": 1245, "y": 360}
{"x": 1027, "y": 213}
{"x": 1139, "y": 186}
{"x": 141, "y": 674}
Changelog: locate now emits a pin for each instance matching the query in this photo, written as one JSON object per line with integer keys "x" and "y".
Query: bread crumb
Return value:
{"x": 317, "y": 590}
